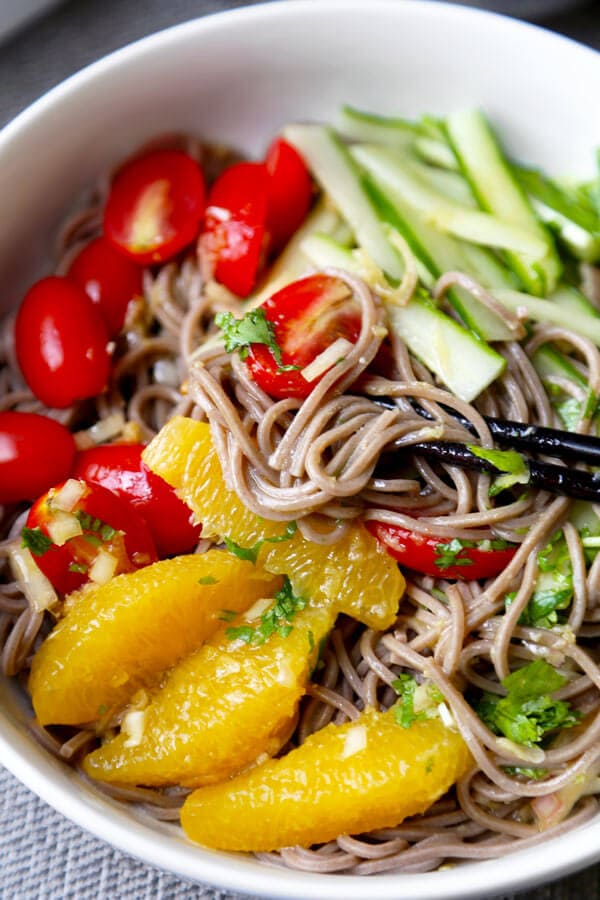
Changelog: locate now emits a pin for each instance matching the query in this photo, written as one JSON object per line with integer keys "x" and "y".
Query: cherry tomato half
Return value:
{"x": 35, "y": 453}
{"x": 108, "y": 523}
{"x": 290, "y": 191}
{"x": 109, "y": 279}
{"x": 119, "y": 467}
{"x": 234, "y": 241}
{"x": 425, "y": 553}
{"x": 307, "y": 317}
{"x": 61, "y": 342}
{"x": 155, "y": 206}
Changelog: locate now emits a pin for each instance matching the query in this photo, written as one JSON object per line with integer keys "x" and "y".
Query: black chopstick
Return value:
{"x": 535, "y": 439}
{"x": 555, "y": 479}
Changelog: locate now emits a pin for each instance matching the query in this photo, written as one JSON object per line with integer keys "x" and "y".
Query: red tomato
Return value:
{"x": 35, "y": 453}
{"x": 290, "y": 191}
{"x": 119, "y": 467}
{"x": 307, "y": 317}
{"x": 155, "y": 206}
{"x": 108, "y": 523}
{"x": 234, "y": 240}
{"x": 61, "y": 343}
{"x": 109, "y": 279}
{"x": 422, "y": 553}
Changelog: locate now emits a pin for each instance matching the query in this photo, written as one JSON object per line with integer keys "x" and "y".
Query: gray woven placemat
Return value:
{"x": 42, "y": 855}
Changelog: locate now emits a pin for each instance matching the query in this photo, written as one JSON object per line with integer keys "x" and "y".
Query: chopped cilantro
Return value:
{"x": 253, "y": 328}
{"x": 525, "y": 772}
{"x": 107, "y": 532}
{"x": 35, "y": 540}
{"x": 276, "y": 620}
{"x": 511, "y": 463}
{"x": 527, "y": 713}
{"x": 311, "y": 641}
{"x": 404, "y": 712}
{"x": 207, "y": 579}
{"x": 227, "y": 615}
{"x": 251, "y": 553}
{"x": 102, "y": 709}
{"x": 553, "y": 590}
{"x": 430, "y": 763}
{"x": 449, "y": 554}
{"x": 98, "y": 531}
{"x": 77, "y": 567}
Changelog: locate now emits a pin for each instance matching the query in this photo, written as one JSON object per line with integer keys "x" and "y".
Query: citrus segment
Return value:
{"x": 346, "y": 779}
{"x": 117, "y": 637}
{"x": 219, "y": 709}
{"x": 355, "y": 573}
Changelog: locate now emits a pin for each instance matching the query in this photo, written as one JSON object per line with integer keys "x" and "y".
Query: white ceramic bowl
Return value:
{"x": 237, "y": 77}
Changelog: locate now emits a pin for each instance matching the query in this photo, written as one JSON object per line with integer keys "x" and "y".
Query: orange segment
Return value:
{"x": 219, "y": 710}
{"x": 355, "y": 573}
{"x": 345, "y": 779}
{"x": 117, "y": 637}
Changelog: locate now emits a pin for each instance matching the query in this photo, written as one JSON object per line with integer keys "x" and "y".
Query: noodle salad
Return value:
{"x": 243, "y": 595}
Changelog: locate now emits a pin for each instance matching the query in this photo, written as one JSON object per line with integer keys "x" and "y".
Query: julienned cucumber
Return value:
{"x": 551, "y": 363}
{"x": 571, "y": 299}
{"x": 497, "y": 191}
{"x": 463, "y": 363}
{"x": 363, "y": 126}
{"x": 550, "y": 312}
{"x": 334, "y": 169}
{"x": 394, "y": 172}
{"x": 438, "y": 253}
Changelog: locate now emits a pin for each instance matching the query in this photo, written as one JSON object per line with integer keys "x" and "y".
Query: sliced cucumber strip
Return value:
{"x": 571, "y": 299}
{"x": 363, "y": 126}
{"x": 549, "y": 362}
{"x": 438, "y": 253}
{"x": 396, "y": 173}
{"x": 497, "y": 191}
{"x": 548, "y": 311}
{"x": 338, "y": 175}
{"x": 463, "y": 363}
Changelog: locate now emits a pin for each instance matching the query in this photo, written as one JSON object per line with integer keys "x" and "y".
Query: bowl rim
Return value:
{"x": 578, "y": 848}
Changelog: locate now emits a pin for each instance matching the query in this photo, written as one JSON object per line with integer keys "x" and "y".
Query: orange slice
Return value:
{"x": 345, "y": 779}
{"x": 118, "y": 637}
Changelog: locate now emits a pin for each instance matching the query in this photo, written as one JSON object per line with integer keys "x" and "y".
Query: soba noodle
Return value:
{"x": 314, "y": 461}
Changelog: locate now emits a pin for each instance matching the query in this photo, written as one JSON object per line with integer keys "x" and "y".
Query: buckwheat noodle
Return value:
{"x": 314, "y": 461}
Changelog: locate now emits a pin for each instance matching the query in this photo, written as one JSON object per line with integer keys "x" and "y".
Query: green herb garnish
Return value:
{"x": 253, "y": 328}
{"x": 525, "y": 772}
{"x": 35, "y": 540}
{"x": 78, "y": 568}
{"x": 449, "y": 554}
{"x": 207, "y": 579}
{"x": 404, "y": 712}
{"x": 553, "y": 590}
{"x": 511, "y": 463}
{"x": 227, "y": 615}
{"x": 251, "y": 553}
{"x": 276, "y": 620}
{"x": 528, "y": 713}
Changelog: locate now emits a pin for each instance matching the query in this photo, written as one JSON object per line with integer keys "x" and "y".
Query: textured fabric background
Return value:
{"x": 42, "y": 855}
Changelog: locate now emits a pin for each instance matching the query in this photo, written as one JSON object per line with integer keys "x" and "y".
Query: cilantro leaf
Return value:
{"x": 35, "y": 540}
{"x": 404, "y": 712}
{"x": 78, "y": 568}
{"x": 511, "y": 463}
{"x": 253, "y": 328}
{"x": 526, "y": 772}
{"x": 553, "y": 590}
{"x": 251, "y": 553}
{"x": 227, "y": 615}
{"x": 276, "y": 620}
{"x": 207, "y": 579}
{"x": 527, "y": 713}
{"x": 449, "y": 554}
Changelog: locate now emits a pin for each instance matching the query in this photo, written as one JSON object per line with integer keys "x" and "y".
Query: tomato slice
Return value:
{"x": 426, "y": 554}
{"x": 155, "y": 206}
{"x": 235, "y": 240}
{"x": 35, "y": 453}
{"x": 119, "y": 467}
{"x": 290, "y": 191}
{"x": 109, "y": 279}
{"x": 108, "y": 523}
{"x": 307, "y": 317}
{"x": 61, "y": 342}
